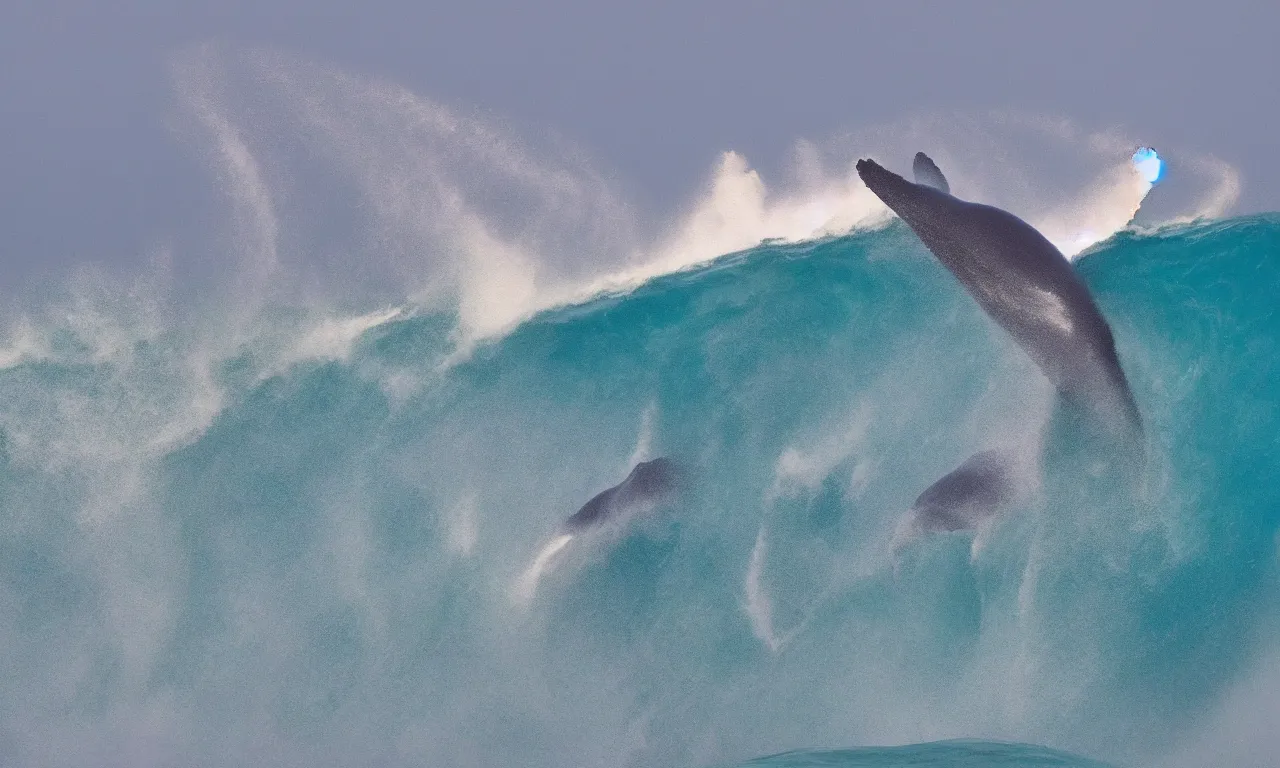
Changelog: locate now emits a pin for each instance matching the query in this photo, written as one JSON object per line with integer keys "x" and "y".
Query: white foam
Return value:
{"x": 24, "y": 343}
{"x": 759, "y": 605}
{"x": 759, "y": 608}
{"x": 805, "y": 467}
{"x": 527, "y": 585}
{"x": 328, "y": 338}
{"x": 644, "y": 439}
{"x": 1222, "y": 193}
{"x": 201, "y": 83}
{"x": 462, "y": 525}
{"x": 738, "y": 212}
{"x": 462, "y": 215}
{"x": 1103, "y": 208}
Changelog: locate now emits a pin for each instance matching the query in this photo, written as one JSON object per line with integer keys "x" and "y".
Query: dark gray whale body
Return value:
{"x": 650, "y": 481}
{"x": 1022, "y": 282}
{"x": 961, "y": 500}
{"x": 967, "y": 496}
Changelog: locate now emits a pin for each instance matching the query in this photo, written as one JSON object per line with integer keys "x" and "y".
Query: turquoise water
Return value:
{"x": 952, "y": 754}
{"x": 326, "y": 562}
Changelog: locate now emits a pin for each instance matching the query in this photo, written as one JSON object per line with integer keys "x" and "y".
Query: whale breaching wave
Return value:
{"x": 594, "y": 491}
{"x": 321, "y": 572}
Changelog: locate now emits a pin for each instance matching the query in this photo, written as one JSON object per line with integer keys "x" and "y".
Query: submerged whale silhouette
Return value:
{"x": 649, "y": 484}
{"x": 963, "y": 499}
{"x": 1022, "y": 282}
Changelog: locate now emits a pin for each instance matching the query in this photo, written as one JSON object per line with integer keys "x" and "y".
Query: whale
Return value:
{"x": 648, "y": 485}
{"x": 650, "y": 482}
{"x": 964, "y": 499}
{"x": 1022, "y": 282}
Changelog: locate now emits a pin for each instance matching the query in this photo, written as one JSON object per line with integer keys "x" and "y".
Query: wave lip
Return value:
{"x": 957, "y": 753}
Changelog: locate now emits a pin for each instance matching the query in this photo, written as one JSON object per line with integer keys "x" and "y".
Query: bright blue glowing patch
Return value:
{"x": 1148, "y": 164}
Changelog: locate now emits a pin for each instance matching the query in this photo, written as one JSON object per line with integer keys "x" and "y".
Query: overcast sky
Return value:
{"x": 652, "y": 90}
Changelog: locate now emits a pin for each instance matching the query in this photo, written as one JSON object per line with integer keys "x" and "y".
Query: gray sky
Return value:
{"x": 653, "y": 91}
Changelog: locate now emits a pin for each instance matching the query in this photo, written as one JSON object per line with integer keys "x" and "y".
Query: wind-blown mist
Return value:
{"x": 391, "y": 197}
{"x": 292, "y": 520}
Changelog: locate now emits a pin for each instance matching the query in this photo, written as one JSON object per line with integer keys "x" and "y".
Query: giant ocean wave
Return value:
{"x": 301, "y": 538}
{"x": 327, "y": 572}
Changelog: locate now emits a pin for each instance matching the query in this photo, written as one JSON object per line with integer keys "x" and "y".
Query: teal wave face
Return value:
{"x": 951, "y": 754}
{"x": 331, "y": 572}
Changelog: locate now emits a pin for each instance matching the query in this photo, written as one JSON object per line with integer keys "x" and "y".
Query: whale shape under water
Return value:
{"x": 966, "y": 498}
{"x": 1023, "y": 282}
{"x": 649, "y": 484}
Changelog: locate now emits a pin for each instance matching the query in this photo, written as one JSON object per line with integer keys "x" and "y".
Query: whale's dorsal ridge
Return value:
{"x": 649, "y": 481}
{"x": 927, "y": 173}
